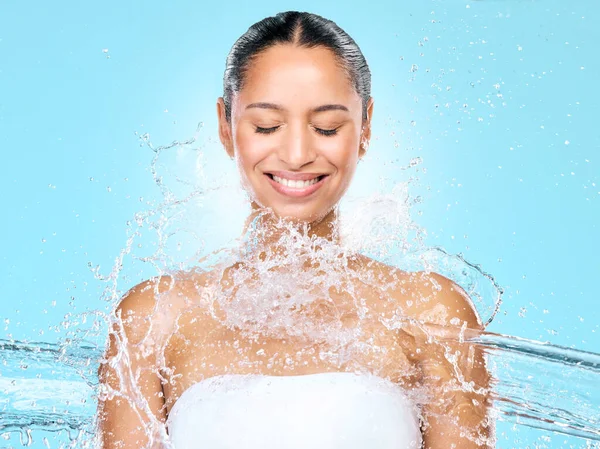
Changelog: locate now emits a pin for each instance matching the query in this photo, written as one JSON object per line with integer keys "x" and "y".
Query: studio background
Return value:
{"x": 494, "y": 102}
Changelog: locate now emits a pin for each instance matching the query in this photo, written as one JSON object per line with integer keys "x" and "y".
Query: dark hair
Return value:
{"x": 304, "y": 30}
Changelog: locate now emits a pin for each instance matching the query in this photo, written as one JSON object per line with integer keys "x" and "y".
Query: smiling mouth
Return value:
{"x": 297, "y": 183}
{"x": 308, "y": 184}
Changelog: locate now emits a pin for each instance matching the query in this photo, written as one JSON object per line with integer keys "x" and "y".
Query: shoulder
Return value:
{"x": 444, "y": 302}
{"x": 425, "y": 296}
{"x": 149, "y": 310}
{"x": 385, "y": 276}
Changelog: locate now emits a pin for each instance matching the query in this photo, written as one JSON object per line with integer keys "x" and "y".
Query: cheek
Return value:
{"x": 249, "y": 149}
{"x": 343, "y": 152}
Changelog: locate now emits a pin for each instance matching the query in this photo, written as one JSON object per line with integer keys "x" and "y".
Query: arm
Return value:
{"x": 454, "y": 372}
{"x": 131, "y": 401}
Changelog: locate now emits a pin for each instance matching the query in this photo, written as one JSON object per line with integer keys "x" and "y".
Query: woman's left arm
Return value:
{"x": 454, "y": 371}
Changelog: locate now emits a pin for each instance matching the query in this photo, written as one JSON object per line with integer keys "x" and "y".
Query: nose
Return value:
{"x": 297, "y": 148}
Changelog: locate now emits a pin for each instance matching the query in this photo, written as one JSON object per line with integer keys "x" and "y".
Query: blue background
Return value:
{"x": 501, "y": 107}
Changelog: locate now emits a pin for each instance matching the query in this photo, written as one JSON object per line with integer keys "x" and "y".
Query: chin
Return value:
{"x": 308, "y": 212}
{"x": 301, "y": 215}
{"x": 294, "y": 213}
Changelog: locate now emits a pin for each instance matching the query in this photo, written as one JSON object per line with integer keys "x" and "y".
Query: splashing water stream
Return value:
{"x": 55, "y": 387}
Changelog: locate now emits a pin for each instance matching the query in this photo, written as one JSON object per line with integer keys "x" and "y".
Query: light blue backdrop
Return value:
{"x": 499, "y": 99}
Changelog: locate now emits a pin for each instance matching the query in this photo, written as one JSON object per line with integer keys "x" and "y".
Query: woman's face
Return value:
{"x": 296, "y": 131}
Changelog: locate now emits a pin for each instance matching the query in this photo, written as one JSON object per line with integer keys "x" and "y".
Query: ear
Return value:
{"x": 225, "y": 134}
{"x": 365, "y": 135}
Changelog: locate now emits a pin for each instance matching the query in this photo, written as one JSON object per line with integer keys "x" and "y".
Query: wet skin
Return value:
{"x": 297, "y": 116}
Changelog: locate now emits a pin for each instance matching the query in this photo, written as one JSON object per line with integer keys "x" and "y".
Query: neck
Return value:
{"x": 267, "y": 233}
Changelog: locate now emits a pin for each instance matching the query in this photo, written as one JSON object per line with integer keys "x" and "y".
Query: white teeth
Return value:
{"x": 295, "y": 184}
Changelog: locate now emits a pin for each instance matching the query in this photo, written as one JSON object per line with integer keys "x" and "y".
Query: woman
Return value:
{"x": 296, "y": 342}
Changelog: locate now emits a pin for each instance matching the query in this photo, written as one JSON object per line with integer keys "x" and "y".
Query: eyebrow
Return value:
{"x": 322, "y": 108}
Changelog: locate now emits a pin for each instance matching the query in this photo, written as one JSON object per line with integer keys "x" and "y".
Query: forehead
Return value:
{"x": 292, "y": 74}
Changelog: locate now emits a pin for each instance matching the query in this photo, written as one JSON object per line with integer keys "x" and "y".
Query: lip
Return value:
{"x": 295, "y": 176}
{"x": 294, "y": 192}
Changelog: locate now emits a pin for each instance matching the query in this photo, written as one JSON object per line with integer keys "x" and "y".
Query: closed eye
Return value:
{"x": 266, "y": 130}
{"x": 326, "y": 132}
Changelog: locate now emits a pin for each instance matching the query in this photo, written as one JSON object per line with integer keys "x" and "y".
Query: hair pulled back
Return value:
{"x": 304, "y": 30}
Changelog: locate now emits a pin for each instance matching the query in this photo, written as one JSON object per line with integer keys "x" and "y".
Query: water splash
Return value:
{"x": 281, "y": 294}
{"x": 52, "y": 387}
{"x": 47, "y": 386}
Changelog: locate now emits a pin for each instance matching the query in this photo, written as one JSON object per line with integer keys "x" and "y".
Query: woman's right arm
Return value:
{"x": 131, "y": 405}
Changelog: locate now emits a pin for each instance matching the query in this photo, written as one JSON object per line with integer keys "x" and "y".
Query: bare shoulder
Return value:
{"x": 426, "y": 296}
{"x": 444, "y": 302}
{"x": 149, "y": 309}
